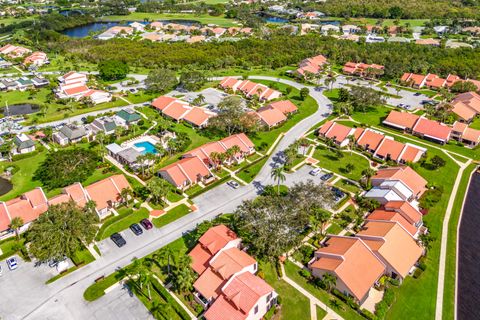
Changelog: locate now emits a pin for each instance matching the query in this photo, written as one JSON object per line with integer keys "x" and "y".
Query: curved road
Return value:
{"x": 63, "y": 299}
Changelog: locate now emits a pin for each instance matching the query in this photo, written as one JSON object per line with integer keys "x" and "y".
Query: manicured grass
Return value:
{"x": 174, "y": 197}
{"x": 22, "y": 180}
{"x": 330, "y": 161}
{"x": 305, "y": 109}
{"x": 97, "y": 289}
{"x": 194, "y": 189}
{"x": 373, "y": 116}
{"x": 140, "y": 97}
{"x": 294, "y": 304}
{"x": 172, "y": 215}
{"x": 346, "y": 185}
{"x": 343, "y": 310}
{"x": 321, "y": 313}
{"x": 129, "y": 217}
{"x": 11, "y": 246}
{"x": 202, "y": 18}
{"x": 475, "y": 123}
{"x": 334, "y": 229}
{"x": 248, "y": 174}
{"x": 450, "y": 266}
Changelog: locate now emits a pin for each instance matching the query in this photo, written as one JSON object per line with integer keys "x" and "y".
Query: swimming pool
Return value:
{"x": 146, "y": 147}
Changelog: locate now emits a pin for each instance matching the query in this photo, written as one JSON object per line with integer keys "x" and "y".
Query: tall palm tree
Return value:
{"x": 368, "y": 174}
{"x": 126, "y": 194}
{"x": 235, "y": 150}
{"x": 278, "y": 176}
{"x": 167, "y": 255}
{"x": 215, "y": 157}
{"x": 16, "y": 224}
{"x": 304, "y": 143}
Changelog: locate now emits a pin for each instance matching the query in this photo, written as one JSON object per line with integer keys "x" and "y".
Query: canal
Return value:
{"x": 468, "y": 295}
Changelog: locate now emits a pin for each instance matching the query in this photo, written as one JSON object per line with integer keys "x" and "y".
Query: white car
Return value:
{"x": 12, "y": 263}
{"x": 234, "y": 184}
{"x": 315, "y": 172}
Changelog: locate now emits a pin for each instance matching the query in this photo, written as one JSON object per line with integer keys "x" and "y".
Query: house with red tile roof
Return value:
{"x": 73, "y": 85}
{"x": 432, "y": 130}
{"x": 339, "y": 133}
{"x": 227, "y": 285}
{"x": 463, "y": 133}
{"x": 354, "y": 265}
{"x": 179, "y": 110}
{"x": 385, "y": 215}
{"x": 311, "y": 65}
{"x": 14, "y": 51}
{"x": 428, "y": 42}
{"x": 240, "y": 140}
{"x": 399, "y": 152}
{"x": 370, "y": 140}
{"x": 392, "y": 244}
{"x": 466, "y": 106}
{"x": 106, "y": 193}
{"x": 403, "y": 181}
{"x": 362, "y": 69}
{"x": 284, "y": 106}
{"x": 186, "y": 172}
{"x": 270, "y": 117}
{"x": 163, "y": 102}
{"x": 198, "y": 117}
{"x": 250, "y": 89}
{"x": 74, "y": 192}
{"x": 28, "y": 207}
{"x": 37, "y": 58}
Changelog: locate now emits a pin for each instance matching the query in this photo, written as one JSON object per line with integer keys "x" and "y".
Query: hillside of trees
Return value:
{"x": 401, "y": 9}
{"x": 276, "y": 51}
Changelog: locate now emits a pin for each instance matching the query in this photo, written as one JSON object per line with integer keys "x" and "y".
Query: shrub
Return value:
{"x": 418, "y": 272}
{"x": 305, "y": 273}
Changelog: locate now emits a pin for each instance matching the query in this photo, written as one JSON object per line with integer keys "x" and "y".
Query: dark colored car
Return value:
{"x": 136, "y": 229}
{"x": 326, "y": 176}
{"x": 146, "y": 224}
{"x": 118, "y": 240}
{"x": 338, "y": 194}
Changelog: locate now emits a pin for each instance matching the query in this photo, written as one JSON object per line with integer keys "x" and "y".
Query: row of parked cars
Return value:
{"x": 136, "y": 229}
{"x": 324, "y": 177}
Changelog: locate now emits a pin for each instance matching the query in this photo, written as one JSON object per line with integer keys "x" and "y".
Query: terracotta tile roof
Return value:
{"x": 451, "y": 79}
{"x": 352, "y": 262}
{"x": 162, "y": 102}
{"x": 271, "y": 117}
{"x": 209, "y": 284}
{"x": 390, "y": 148}
{"x": 239, "y": 297}
{"x": 216, "y": 238}
{"x": 61, "y": 198}
{"x": 107, "y": 191}
{"x": 325, "y": 127}
{"x": 358, "y": 132}
{"x": 463, "y": 111}
{"x": 313, "y": 65}
{"x": 176, "y": 110}
{"x": 29, "y": 206}
{"x": 472, "y": 135}
{"x": 459, "y": 127}
{"x": 197, "y": 116}
{"x": 229, "y": 82}
{"x": 285, "y": 106}
{"x": 432, "y": 129}
{"x": 403, "y": 120}
{"x": 430, "y": 42}
{"x": 392, "y": 216}
{"x": 76, "y": 90}
{"x": 200, "y": 258}
{"x": 393, "y": 244}
{"x": 405, "y": 174}
{"x": 370, "y": 139}
{"x": 240, "y": 140}
{"x": 470, "y": 99}
{"x": 186, "y": 170}
{"x": 231, "y": 261}
{"x": 338, "y": 132}
{"x": 4, "y": 217}
{"x": 405, "y": 209}
{"x": 411, "y": 154}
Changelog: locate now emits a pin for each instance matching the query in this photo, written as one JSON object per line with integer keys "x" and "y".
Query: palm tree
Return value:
{"x": 215, "y": 157}
{"x": 16, "y": 224}
{"x": 304, "y": 143}
{"x": 158, "y": 188}
{"x": 278, "y": 176}
{"x": 329, "y": 281}
{"x": 101, "y": 139}
{"x": 126, "y": 194}
{"x": 141, "y": 159}
{"x": 167, "y": 255}
{"x": 235, "y": 150}
{"x": 368, "y": 174}
{"x": 351, "y": 142}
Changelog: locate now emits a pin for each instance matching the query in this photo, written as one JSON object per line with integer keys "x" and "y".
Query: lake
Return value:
{"x": 20, "y": 109}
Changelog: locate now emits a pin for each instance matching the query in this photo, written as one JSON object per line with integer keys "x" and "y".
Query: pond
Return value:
{"x": 272, "y": 19}
{"x": 19, "y": 109}
{"x": 85, "y": 30}
{"x": 5, "y": 186}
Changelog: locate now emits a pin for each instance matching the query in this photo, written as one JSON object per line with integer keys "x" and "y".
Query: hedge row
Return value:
{"x": 170, "y": 300}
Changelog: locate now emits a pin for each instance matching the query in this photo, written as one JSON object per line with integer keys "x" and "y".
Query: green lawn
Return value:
{"x": 334, "y": 228}
{"x": 346, "y": 185}
{"x": 202, "y": 18}
{"x": 330, "y": 161}
{"x": 305, "y": 109}
{"x": 475, "y": 123}
{"x": 321, "y": 313}
{"x": 248, "y": 174}
{"x": 172, "y": 215}
{"x": 450, "y": 267}
{"x": 294, "y": 304}
{"x": 343, "y": 310}
{"x": 130, "y": 217}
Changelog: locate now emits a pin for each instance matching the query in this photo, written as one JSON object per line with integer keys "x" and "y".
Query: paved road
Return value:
{"x": 63, "y": 299}
{"x": 407, "y": 97}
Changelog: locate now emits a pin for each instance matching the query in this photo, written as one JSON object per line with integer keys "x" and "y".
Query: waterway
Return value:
{"x": 469, "y": 255}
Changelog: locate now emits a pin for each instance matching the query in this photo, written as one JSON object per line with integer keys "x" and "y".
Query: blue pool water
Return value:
{"x": 146, "y": 146}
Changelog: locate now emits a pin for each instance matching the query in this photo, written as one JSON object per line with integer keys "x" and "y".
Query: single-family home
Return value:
{"x": 103, "y": 124}
{"x": 126, "y": 117}
{"x": 428, "y": 42}
{"x": 37, "y": 59}
{"x": 392, "y": 244}
{"x": 466, "y": 106}
{"x": 137, "y": 26}
{"x": 270, "y": 117}
{"x": 311, "y": 65}
{"x": 351, "y": 261}
{"x": 402, "y": 212}
{"x": 284, "y": 106}
{"x": 22, "y": 144}
{"x": 71, "y": 133}
{"x": 329, "y": 28}
{"x": 74, "y": 192}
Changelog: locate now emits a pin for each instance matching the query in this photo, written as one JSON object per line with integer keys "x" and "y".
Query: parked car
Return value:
{"x": 314, "y": 172}
{"x": 146, "y": 224}
{"x": 338, "y": 194}
{"x": 118, "y": 240}
{"x": 136, "y": 229}
{"x": 326, "y": 176}
{"x": 234, "y": 184}
{"x": 417, "y": 94}
{"x": 53, "y": 263}
{"x": 12, "y": 263}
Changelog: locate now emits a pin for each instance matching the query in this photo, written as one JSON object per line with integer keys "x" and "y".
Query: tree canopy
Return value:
{"x": 62, "y": 230}
{"x": 64, "y": 167}
{"x": 161, "y": 80}
{"x": 112, "y": 70}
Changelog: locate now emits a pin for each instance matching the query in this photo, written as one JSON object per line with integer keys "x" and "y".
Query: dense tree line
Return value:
{"x": 399, "y": 9}
{"x": 274, "y": 51}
